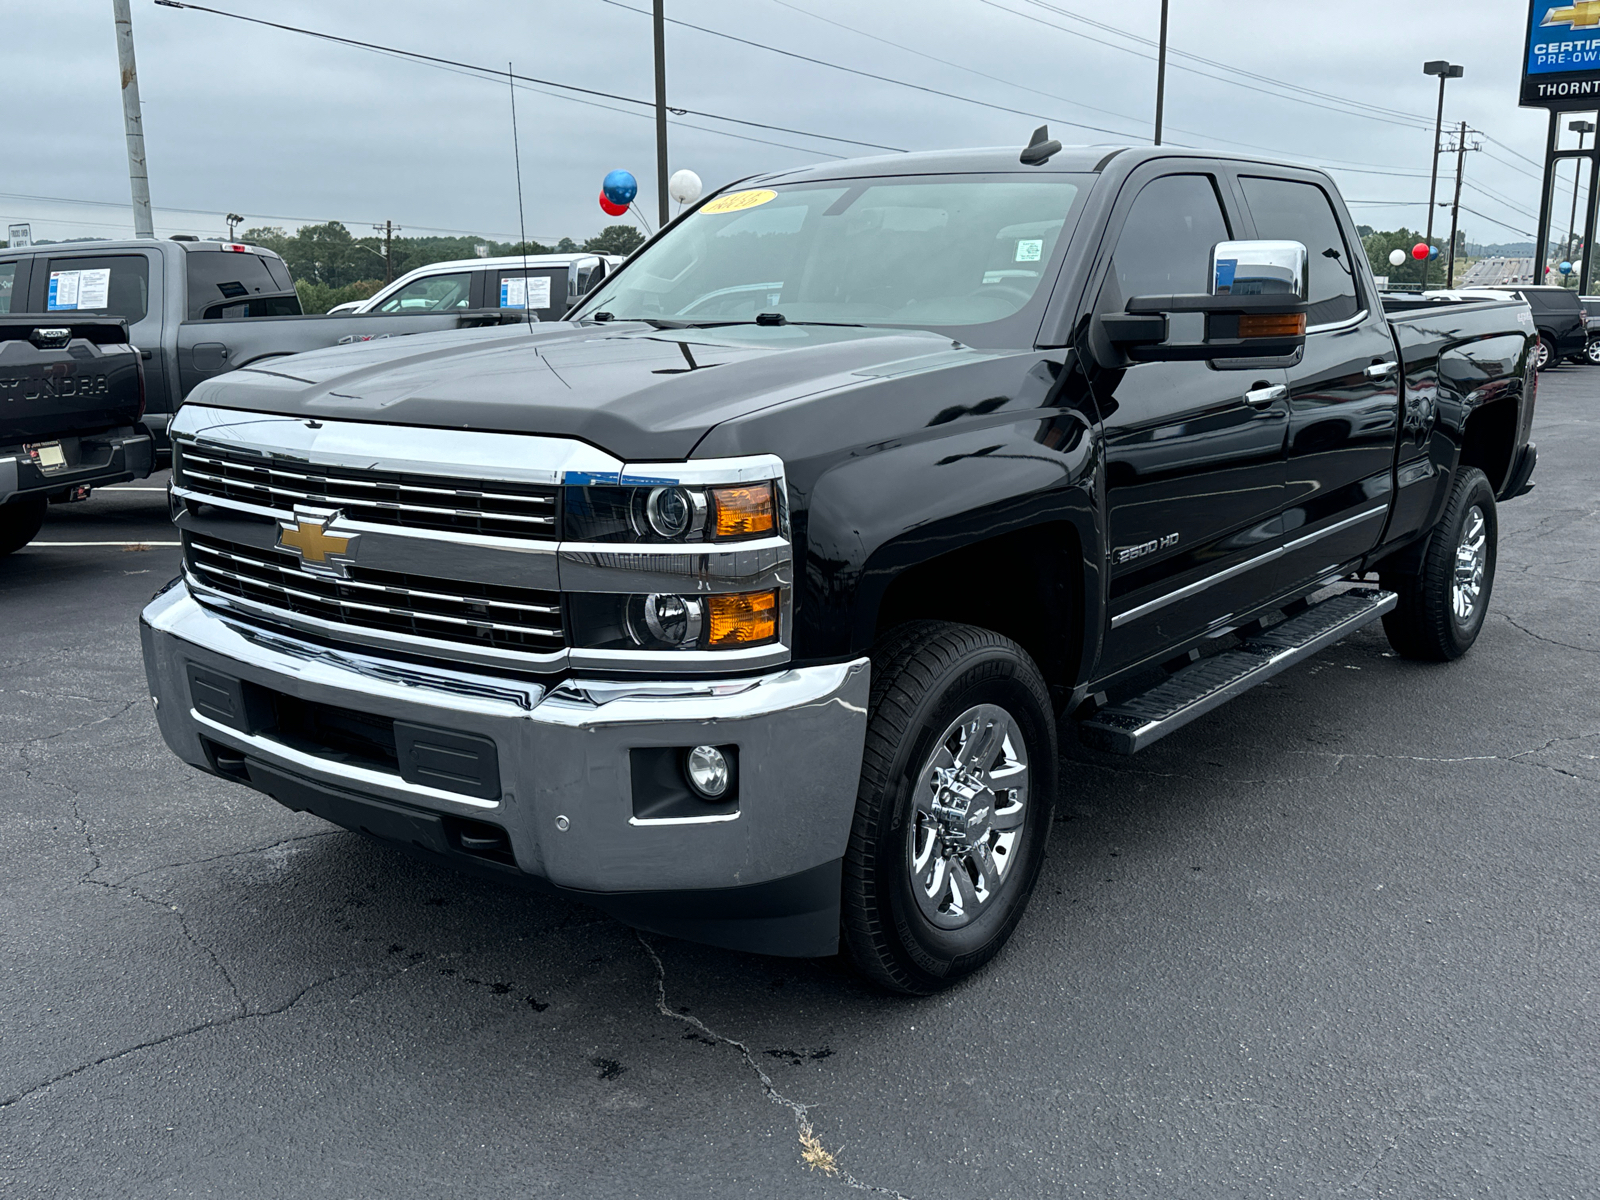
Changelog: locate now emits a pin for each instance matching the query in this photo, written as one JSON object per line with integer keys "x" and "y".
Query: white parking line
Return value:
{"x": 116, "y": 488}
{"x": 142, "y": 544}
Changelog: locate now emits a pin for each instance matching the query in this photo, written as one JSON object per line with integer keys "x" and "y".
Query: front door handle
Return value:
{"x": 1381, "y": 370}
{"x": 1262, "y": 396}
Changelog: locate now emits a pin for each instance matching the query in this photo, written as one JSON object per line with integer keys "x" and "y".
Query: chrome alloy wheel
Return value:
{"x": 1541, "y": 357}
{"x": 1472, "y": 559}
{"x": 970, "y": 799}
{"x": 1592, "y": 352}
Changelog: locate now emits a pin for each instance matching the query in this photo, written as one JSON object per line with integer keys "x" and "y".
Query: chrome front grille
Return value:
{"x": 485, "y": 615}
{"x": 500, "y": 509}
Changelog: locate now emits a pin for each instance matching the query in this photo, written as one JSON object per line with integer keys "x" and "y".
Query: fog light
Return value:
{"x": 709, "y": 772}
{"x": 672, "y": 620}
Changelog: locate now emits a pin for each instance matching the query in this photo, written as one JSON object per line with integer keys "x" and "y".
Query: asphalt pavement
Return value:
{"x": 1338, "y": 939}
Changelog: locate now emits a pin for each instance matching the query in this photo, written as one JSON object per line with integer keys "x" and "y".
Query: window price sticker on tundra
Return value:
{"x": 1029, "y": 249}
{"x": 532, "y": 292}
{"x": 79, "y": 289}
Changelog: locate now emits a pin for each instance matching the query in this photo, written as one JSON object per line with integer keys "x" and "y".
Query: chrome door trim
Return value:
{"x": 1195, "y": 588}
{"x": 1298, "y": 542}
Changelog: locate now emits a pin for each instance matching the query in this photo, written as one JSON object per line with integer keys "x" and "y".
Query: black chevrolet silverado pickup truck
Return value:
{"x": 71, "y": 395}
{"x": 747, "y": 602}
{"x": 198, "y": 309}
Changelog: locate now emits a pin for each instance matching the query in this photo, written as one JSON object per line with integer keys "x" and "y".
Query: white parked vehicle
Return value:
{"x": 549, "y": 284}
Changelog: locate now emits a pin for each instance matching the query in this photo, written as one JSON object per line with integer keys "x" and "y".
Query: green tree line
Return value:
{"x": 332, "y": 266}
{"x": 1379, "y": 243}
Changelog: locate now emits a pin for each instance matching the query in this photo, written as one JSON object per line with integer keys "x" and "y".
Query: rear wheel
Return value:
{"x": 1592, "y": 352}
{"x": 954, "y": 808}
{"x": 20, "y": 521}
{"x": 1442, "y": 606}
{"x": 1546, "y": 356}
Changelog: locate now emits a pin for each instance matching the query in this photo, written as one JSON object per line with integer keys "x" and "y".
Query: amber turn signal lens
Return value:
{"x": 745, "y": 510}
{"x": 1265, "y": 325}
{"x": 742, "y": 619}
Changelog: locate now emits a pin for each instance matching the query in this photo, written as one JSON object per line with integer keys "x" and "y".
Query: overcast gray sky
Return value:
{"x": 285, "y": 128}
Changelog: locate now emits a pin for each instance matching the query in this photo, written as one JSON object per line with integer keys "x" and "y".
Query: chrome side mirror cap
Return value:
{"x": 1259, "y": 269}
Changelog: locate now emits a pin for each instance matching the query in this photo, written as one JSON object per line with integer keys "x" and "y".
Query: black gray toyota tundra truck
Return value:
{"x": 71, "y": 395}
{"x": 198, "y": 309}
{"x": 745, "y": 603}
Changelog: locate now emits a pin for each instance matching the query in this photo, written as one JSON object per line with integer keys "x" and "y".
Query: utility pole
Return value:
{"x": 133, "y": 122}
{"x": 661, "y": 113}
{"x": 388, "y": 229}
{"x": 1444, "y": 70}
{"x": 1455, "y": 208}
{"x": 1161, "y": 72}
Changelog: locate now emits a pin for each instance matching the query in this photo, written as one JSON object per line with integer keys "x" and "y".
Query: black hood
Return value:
{"x": 631, "y": 390}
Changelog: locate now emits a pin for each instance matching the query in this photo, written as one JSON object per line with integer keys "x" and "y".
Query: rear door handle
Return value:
{"x": 1381, "y": 370}
{"x": 1262, "y": 396}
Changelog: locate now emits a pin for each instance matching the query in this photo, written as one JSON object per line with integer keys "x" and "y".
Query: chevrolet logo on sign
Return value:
{"x": 1584, "y": 14}
{"x": 319, "y": 551}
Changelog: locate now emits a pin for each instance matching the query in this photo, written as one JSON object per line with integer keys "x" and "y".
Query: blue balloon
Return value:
{"x": 620, "y": 187}
{"x": 1433, "y": 252}
{"x": 1565, "y": 268}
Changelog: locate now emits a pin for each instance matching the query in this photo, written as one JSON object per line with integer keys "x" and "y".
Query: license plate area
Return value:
{"x": 49, "y": 457}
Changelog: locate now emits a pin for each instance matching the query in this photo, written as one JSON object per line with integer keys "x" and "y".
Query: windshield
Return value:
{"x": 924, "y": 251}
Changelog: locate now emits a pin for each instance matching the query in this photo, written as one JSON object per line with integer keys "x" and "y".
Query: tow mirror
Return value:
{"x": 1256, "y": 310}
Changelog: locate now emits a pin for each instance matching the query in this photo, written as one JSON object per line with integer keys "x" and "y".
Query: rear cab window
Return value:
{"x": 227, "y": 283}
{"x": 113, "y": 285}
{"x": 1289, "y": 210}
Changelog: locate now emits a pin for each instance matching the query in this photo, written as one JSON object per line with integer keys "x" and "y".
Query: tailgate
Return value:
{"x": 60, "y": 378}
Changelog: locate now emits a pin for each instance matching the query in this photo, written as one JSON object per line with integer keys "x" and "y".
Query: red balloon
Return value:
{"x": 615, "y": 210}
{"x": 1420, "y": 250}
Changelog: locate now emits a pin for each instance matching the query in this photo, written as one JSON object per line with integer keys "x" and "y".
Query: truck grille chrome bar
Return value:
{"x": 496, "y": 508}
{"x": 506, "y": 618}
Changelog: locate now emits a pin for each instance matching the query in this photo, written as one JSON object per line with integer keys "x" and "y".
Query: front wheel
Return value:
{"x": 954, "y": 809}
{"x": 1592, "y": 352}
{"x": 1442, "y": 606}
{"x": 20, "y": 521}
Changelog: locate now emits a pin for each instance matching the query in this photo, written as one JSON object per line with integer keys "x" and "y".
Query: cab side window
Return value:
{"x": 432, "y": 293}
{"x": 1301, "y": 212}
{"x": 1166, "y": 242}
{"x": 8, "y": 279}
{"x": 111, "y": 286}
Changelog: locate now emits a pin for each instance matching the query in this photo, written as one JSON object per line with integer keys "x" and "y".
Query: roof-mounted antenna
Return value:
{"x": 1040, "y": 147}
{"x": 522, "y": 221}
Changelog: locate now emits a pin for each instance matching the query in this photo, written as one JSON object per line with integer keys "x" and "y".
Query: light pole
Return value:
{"x": 1580, "y": 128}
{"x": 1444, "y": 70}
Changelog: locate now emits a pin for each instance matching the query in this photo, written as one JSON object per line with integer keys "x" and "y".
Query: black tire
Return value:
{"x": 20, "y": 521}
{"x": 1546, "y": 355}
{"x": 925, "y": 676}
{"x": 1425, "y": 624}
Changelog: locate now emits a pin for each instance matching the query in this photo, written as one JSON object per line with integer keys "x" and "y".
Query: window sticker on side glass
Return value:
{"x": 739, "y": 201}
{"x": 79, "y": 289}
{"x": 1029, "y": 249}
{"x": 518, "y": 292}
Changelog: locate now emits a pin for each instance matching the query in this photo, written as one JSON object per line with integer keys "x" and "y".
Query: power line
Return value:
{"x": 494, "y": 75}
{"x": 822, "y": 62}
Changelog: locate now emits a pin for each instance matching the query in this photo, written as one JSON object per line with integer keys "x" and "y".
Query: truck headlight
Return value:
{"x": 670, "y": 513}
{"x": 664, "y": 621}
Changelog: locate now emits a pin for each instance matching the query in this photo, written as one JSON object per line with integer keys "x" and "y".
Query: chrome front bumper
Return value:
{"x": 564, "y": 752}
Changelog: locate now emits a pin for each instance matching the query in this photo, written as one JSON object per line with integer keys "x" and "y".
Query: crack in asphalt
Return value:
{"x": 196, "y": 862}
{"x": 812, "y": 1151}
{"x": 70, "y": 728}
{"x": 1539, "y": 637}
{"x": 178, "y": 1035}
{"x": 1516, "y": 759}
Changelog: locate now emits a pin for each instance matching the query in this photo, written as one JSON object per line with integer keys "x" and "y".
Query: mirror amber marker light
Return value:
{"x": 742, "y": 511}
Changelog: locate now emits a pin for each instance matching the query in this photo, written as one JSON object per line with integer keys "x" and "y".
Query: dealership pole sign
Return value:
{"x": 1562, "y": 66}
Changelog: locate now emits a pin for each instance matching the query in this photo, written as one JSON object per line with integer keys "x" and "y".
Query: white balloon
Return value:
{"x": 684, "y": 187}
{"x": 1396, "y": 257}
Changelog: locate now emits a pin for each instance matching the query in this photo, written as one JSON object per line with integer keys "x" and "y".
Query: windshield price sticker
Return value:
{"x": 518, "y": 292}
{"x": 739, "y": 201}
{"x": 79, "y": 289}
{"x": 1029, "y": 249}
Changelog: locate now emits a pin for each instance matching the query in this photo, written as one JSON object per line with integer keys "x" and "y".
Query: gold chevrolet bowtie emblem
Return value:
{"x": 1584, "y": 14}
{"x": 308, "y": 537}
